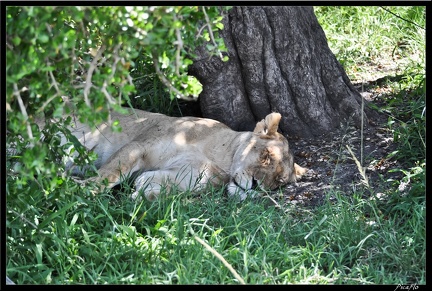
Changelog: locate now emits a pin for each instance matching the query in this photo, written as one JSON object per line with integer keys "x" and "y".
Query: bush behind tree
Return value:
{"x": 82, "y": 60}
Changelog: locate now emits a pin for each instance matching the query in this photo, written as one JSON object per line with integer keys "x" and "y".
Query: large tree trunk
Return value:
{"x": 279, "y": 60}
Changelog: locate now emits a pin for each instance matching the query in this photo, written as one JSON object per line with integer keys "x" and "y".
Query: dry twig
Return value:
{"x": 219, "y": 256}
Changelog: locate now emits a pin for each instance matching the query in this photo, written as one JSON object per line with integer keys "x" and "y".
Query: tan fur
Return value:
{"x": 190, "y": 152}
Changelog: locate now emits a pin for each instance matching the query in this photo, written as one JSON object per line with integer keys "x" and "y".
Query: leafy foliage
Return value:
{"x": 82, "y": 60}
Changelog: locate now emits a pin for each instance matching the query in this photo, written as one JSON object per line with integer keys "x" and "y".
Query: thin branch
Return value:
{"x": 74, "y": 59}
{"x": 55, "y": 84}
{"x": 90, "y": 71}
{"x": 200, "y": 30}
{"x": 54, "y": 81}
{"x": 210, "y": 30}
{"x": 42, "y": 108}
{"x": 79, "y": 86}
{"x": 107, "y": 94}
{"x": 277, "y": 205}
{"x": 39, "y": 184}
{"x": 385, "y": 9}
{"x": 22, "y": 217}
{"x": 165, "y": 81}
{"x": 48, "y": 28}
{"x": 9, "y": 46}
{"x": 219, "y": 256}
{"x": 113, "y": 70}
{"x": 179, "y": 47}
{"x": 85, "y": 32}
{"x": 16, "y": 93}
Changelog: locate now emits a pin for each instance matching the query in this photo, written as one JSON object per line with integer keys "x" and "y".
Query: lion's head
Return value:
{"x": 266, "y": 161}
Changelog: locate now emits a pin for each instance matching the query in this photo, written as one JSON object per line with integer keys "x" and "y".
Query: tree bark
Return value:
{"x": 279, "y": 60}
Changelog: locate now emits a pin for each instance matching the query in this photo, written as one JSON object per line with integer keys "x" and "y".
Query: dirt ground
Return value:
{"x": 333, "y": 168}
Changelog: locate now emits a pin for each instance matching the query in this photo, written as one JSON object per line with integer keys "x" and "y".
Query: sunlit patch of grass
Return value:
{"x": 371, "y": 40}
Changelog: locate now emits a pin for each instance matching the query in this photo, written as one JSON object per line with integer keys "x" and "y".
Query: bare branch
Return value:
{"x": 200, "y": 30}
{"x": 9, "y": 46}
{"x": 74, "y": 59}
{"x": 179, "y": 47}
{"x": 54, "y": 81}
{"x": 277, "y": 205}
{"x": 113, "y": 70}
{"x": 16, "y": 93}
{"x": 90, "y": 71}
{"x": 219, "y": 256}
{"x": 210, "y": 31}
{"x": 107, "y": 94}
{"x": 42, "y": 108}
{"x": 166, "y": 82}
{"x": 55, "y": 84}
{"x": 23, "y": 218}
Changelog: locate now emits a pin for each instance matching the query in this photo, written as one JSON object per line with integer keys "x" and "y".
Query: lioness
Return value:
{"x": 190, "y": 152}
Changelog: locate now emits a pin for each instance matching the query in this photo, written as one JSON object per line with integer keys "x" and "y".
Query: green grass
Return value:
{"x": 372, "y": 236}
{"x": 108, "y": 240}
{"x": 370, "y": 36}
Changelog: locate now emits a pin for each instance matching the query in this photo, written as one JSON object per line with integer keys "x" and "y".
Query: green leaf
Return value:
{"x": 86, "y": 236}
{"x": 220, "y": 25}
{"x": 55, "y": 214}
{"x": 128, "y": 230}
{"x": 38, "y": 252}
{"x": 43, "y": 38}
{"x": 16, "y": 40}
{"x": 74, "y": 219}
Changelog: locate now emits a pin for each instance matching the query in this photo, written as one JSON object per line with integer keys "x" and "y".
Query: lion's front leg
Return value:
{"x": 152, "y": 183}
{"x": 185, "y": 178}
{"x": 122, "y": 163}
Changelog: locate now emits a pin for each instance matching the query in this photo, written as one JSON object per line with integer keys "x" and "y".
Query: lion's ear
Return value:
{"x": 269, "y": 125}
{"x": 260, "y": 128}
